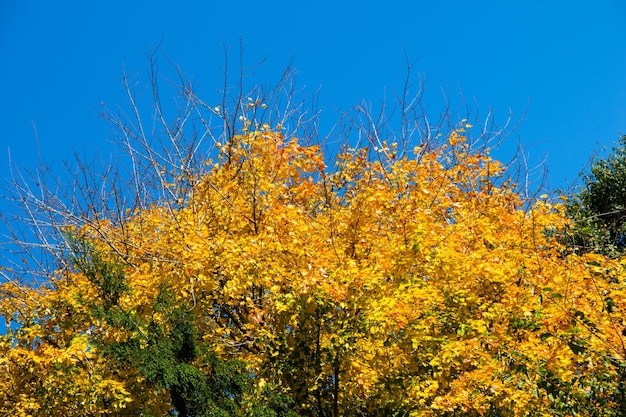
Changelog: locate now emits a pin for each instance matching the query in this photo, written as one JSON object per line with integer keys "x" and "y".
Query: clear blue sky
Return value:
{"x": 561, "y": 63}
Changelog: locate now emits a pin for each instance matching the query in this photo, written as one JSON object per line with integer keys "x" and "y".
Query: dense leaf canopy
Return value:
{"x": 598, "y": 211}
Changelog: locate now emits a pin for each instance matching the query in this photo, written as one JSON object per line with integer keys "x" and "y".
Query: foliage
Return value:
{"x": 598, "y": 223}
{"x": 598, "y": 210}
{"x": 380, "y": 285}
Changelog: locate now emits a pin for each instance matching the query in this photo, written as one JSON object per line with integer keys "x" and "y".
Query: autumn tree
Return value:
{"x": 249, "y": 267}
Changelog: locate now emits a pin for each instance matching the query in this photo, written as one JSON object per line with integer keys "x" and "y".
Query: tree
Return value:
{"x": 404, "y": 276}
{"x": 599, "y": 209}
{"x": 598, "y": 219}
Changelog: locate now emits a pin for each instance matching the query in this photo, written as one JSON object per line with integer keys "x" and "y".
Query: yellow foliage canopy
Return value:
{"x": 379, "y": 283}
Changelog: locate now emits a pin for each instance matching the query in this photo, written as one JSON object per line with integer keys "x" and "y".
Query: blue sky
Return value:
{"x": 561, "y": 65}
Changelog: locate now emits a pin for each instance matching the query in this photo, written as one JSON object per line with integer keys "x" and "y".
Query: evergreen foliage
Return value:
{"x": 598, "y": 211}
